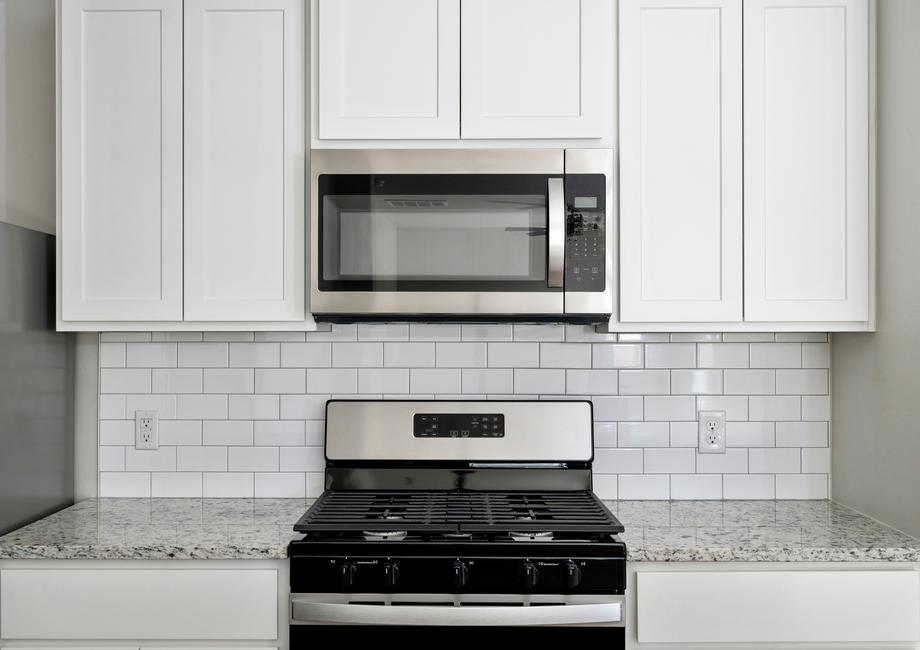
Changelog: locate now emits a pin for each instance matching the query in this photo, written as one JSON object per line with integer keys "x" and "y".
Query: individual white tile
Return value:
{"x": 226, "y": 485}
{"x": 306, "y": 355}
{"x": 357, "y": 355}
{"x": 723, "y": 355}
{"x": 816, "y": 407}
{"x": 124, "y": 484}
{"x": 816, "y": 461}
{"x": 644, "y": 382}
{"x": 591, "y": 382}
{"x": 434, "y": 380}
{"x": 778, "y": 407}
{"x": 277, "y": 485}
{"x": 669, "y": 408}
{"x": 177, "y": 433}
{"x": 605, "y": 486}
{"x": 408, "y": 355}
{"x": 542, "y": 381}
{"x": 616, "y": 355}
{"x": 316, "y": 484}
{"x": 618, "y": 461}
{"x": 514, "y": 355}
{"x": 816, "y": 355}
{"x": 748, "y": 337}
{"x": 654, "y": 337}
{"x": 203, "y": 355}
{"x": 228, "y": 380}
{"x": 801, "y": 337}
{"x": 565, "y": 355}
{"x": 151, "y": 355}
{"x": 776, "y": 355}
{"x": 255, "y": 355}
{"x": 643, "y": 434}
{"x": 698, "y": 337}
{"x": 383, "y": 380}
{"x": 618, "y": 408}
{"x": 280, "y": 380}
{"x": 176, "y": 484}
{"x": 670, "y": 355}
{"x": 775, "y": 461}
{"x": 434, "y": 332}
{"x": 539, "y": 332}
{"x": 227, "y": 432}
{"x": 383, "y": 332}
{"x": 644, "y": 486}
{"x": 201, "y": 459}
{"x": 801, "y": 486}
{"x": 176, "y": 380}
{"x": 164, "y": 405}
{"x": 254, "y": 407}
{"x": 460, "y": 355}
{"x": 303, "y": 407}
{"x": 487, "y": 380}
{"x": 334, "y": 332}
{"x": 111, "y": 355}
{"x": 750, "y": 382}
{"x": 124, "y": 380}
{"x": 748, "y": 486}
{"x": 669, "y": 461}
{"x": 733, "y": 461}
{"x": 279, "y": 433}
{"x": 486, "y": 332}
{"x": 684, "y": 434}
{"x": 302, "y": 459}
{"x": 696, "y": 486}
{"x": 176, "y": 337}
{"x": 111, "y": 459}
{"x": 605, "y": 434}
{"x": 228, "y": 336}
{"x": 124, "y": 336}
{"x": 253, "y": 459}
{"x": 150, "y": 460}
{"x": 315, "y": 432}
{"x": 279, "y": 337}
{"x": 801, "y": 434}
{"x": 588, "y": 334}
{"x": 749, "y": 434}
{"x": 201, "y": 407}
{"x": 116, "y": 432}
{"x": 801, "y": 382}
{"x": 111, "y": 407}
{"x": 735, "y": 406}
{"x": 696, "y": 382}
{"x": 332, "y": 380}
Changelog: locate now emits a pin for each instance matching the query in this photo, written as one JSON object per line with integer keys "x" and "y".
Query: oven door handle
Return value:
{"x": 309, "y": 612}
{"x": 555, "y": 200}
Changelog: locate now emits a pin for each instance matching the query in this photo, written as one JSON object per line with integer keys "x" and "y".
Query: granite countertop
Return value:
{"x": 656, "y": 531}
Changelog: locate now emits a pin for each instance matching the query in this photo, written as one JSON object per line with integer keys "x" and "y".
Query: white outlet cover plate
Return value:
{"x": 146, "y": 430}
{"x": 711, "y": 432}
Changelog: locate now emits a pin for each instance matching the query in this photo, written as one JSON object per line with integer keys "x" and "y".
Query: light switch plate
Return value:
{"x": 146, "y": 430}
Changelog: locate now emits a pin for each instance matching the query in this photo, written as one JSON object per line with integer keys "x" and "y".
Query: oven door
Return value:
{"x": 437, "y": 232}
{"x": 417, "y": 619}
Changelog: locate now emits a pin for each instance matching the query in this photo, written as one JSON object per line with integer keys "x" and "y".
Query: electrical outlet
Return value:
{"x": 146, "y": 430}
{"x": 712, "y": 432}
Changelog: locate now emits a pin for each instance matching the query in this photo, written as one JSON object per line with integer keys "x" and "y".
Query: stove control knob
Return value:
{"x": 571, "y": 574}
{"x": 347, "y": 573}
{"x": 390, "y": 573}
{"x": 461, "y": 573}
{"x": 530, "y": 574}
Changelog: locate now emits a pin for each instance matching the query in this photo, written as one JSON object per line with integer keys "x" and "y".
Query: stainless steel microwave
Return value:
{"x": 462, "y": 234}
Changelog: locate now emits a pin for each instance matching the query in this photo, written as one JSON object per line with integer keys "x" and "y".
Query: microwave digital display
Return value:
{"x": 585, "y": 203}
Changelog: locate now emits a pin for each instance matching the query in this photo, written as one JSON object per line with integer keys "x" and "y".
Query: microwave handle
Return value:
{"x": 555, "y": 190}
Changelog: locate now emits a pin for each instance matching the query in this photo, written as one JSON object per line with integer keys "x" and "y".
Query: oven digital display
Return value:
{"x": 459, "y": 425}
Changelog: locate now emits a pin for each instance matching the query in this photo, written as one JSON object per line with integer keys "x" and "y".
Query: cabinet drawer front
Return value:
{"x": 778, "y": 606}
{"x": 138, "y": 604}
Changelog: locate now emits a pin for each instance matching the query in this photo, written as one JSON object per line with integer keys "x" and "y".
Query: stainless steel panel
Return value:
{"x": 435, "y": 161}
{"x": 446, "y": 302}
{"x": 535, "y": 432}
{"x": 556, "y": 205}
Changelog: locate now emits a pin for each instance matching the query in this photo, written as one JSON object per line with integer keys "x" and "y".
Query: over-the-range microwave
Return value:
{"x": 487, "y": 234}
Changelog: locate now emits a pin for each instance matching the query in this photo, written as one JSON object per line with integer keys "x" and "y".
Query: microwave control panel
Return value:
{"x": 585, "y": 232}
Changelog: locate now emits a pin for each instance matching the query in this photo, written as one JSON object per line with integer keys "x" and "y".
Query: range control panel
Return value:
{"x": 585, "y": 232}
{"x": 459, "y": 425}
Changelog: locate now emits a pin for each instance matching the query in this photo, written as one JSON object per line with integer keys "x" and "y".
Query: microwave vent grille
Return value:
{"x": 417, "y": 203}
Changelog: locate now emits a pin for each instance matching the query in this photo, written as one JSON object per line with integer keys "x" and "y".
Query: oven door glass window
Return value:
{"x": 417, "y": 232}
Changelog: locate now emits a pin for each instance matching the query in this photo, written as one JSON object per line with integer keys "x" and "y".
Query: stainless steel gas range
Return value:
{"x": 475, "y": 519}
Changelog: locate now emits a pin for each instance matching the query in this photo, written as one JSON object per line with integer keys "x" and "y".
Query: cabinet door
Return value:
{"x": 806, "y": 160}
{"x": 244, "y": 157}
{"x": 121, "y": 160}
{"x": 388, "y": 70}
{"x": 536, "y": 68}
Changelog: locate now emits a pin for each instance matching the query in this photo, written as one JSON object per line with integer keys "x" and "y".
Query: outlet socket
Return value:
{"x": 712, "y": 432}
{"x": 146, "y": 430}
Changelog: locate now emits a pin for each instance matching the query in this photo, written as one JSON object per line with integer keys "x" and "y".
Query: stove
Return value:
{"x": 478, "y": 516}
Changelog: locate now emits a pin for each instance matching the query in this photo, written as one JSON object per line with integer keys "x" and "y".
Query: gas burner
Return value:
{"x": 384, "y": 535}
{"x": 541, "y": 536}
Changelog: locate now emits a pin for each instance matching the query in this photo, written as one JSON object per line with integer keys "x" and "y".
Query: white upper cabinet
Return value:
{"x": 536, "y": 68}
{"x": 806, "y": 160}
{"x": 387, "y": 69}
{"x": 680, "y": 160}
{"x": 244, "y": 160}
{"x": 121, "y": 160}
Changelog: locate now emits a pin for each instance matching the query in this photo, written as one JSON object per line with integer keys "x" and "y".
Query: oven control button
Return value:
{"x": 347, "y": 573}
{"x": 530, "y": 574}
{"x": 461, "y": 574}
{"x": 390, "y": 573}
{"x": 571, "y": 574}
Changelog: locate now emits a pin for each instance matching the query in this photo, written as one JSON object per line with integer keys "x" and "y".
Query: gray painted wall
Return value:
{"x": 876, "y": 378}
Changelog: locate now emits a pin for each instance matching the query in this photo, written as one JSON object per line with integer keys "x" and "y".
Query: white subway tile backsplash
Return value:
{"x": 383, "y": 380}
{"x": 255, "y": 355}
{"x": 671, "y": 355}
{"x": 733, "y": 461}
{"x": 164, "y": 405}
{"x": 750, "y": 434}
{"x": 151, "y": 355}
{"x": 383, "y": 332}
{"x": 776, "y": 355}
{"x": 111, "y": 407}
{"x": 176, "y": 380}
{"x": 201, "y": 459}
{"x": 605, "y": 486}
{"x": 280, "y": 433}
{"x": 696, "y": 382}
{"x": 227, "y": 485}
{"x": 150, "y": 460}
{"x": 178, "y": 433}
{"x": 409, "y": 355}
{"x": 643, "y": 434}
{"x": 253, "y": 459}
{"x": 670, "y": 408}
{"x": 587, "y": 334}
{"x": 303, "y": 407}
{"x": 125, "y": 484}
{"x": 684, "y": 434}
{"x": 302, "y": 459}
{"x": 204, "y": 355}
{"x": 644, "y": 382}
{"x": 617, "y": 355}
{"x": 176, "y": 484}
{"x": 748, "y": 337}
{"x": 124, "y": 336}
{"x": 117, "y": 432}
{"x": 460, "y": 355}
{"x": 357, "y": 355}
{"x": 775, "y": 461}
{"x": 280, "y": 485}
{"x": 176, "y": 336}
{"x": 775, "y": 407}
{"x": 816, "y": 355}
{"x": 618, "y": 408}
{"x": 539, "y": 332}
{"x": 735, "y": 406}
{"x": 669, "y": 461}
{"x": 591, "y": 382}
{"x": 201, "y": 407}
{"x": 748, "y": 486}
{"x": 801, "y": 382}
{"x": 644, "y": 486}
{"x": 750, "y": 382}
{"x": 699, "y": 337}
{"x": 279, "y": 337}
{"x": 565, "y": 355}
{"x": 605, "y": 434}
{"x": 280, "y": 380}
{"x": 306, "y": 355}
{"x": 801, "y": 434}
{"x": 227, "y": 432}
{"x": 124, "y": 380}
{"x": 816, "y": 408}
{"x": 435, "y": 380}
{"x": 618, "y": 461}
{"x": 723, "y": 355}
{"x": 801, "y": 486}
{"x": 514, "y": 355}
{"x": 543, "y": 381}
{"x": 111, "y": 355}
{"x": 434, "y": 332}
{"x": 111, "y": 459}
{"x": 486, "y": 332}
{"x": 228, "y": 380}
{"x": 801, "y": 337}
{"x": 228, "y": 336}
{"x": 696, "y": 486}
{"x": 487, "y": 380}
{"x": 332, "y": 380}
{"x": 816, "y": 461}
{"x": 254, "y": 407}
{"x": 655, "y": 337}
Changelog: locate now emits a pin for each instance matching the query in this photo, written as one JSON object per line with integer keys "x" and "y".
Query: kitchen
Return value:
{"x": 506, "y": 319}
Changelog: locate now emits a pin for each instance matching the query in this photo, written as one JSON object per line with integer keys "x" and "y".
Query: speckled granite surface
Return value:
{"x": 658, "y": 531}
